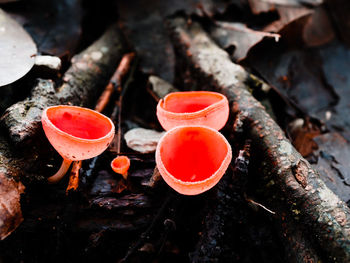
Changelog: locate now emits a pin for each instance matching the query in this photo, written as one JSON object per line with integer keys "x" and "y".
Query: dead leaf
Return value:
{"x": 287, "y": 15}
{"x": 7, "y": 1}
{"x": 17, "y": 50}
{"x": 143, "y": 24}
{"x": 339, "y": 9}
{"x": 336, "y": 68}
{"x": 297, "y": 74}
{"x": 302, "y": 133}
{"x": 294, "y": 2}
{"x": 333, "y": 163}
{"x": 54, "y": 25}
{"x": 290, "y": 11}
{"x": 10, "y": 207}
{"x": 258, "y": 7}
{"x": 318, "y": 29}
{"x": 239, "y": 36}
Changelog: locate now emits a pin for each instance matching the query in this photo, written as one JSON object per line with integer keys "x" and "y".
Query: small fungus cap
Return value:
{"x": 77, "y": 133}
{"x": 120, "y": 164}
{"x": 193, "y": 108}
{"x": 192, "y": 159}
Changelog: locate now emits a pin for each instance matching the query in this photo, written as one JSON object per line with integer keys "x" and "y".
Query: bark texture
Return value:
{"x": 327, "y": 217}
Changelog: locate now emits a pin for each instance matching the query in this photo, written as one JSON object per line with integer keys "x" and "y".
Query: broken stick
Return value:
{"x": 114, "y": 83}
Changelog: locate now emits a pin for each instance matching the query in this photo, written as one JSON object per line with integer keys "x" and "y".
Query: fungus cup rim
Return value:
{"x": 124, "y": 157}
{"x": 196, "y": 114}
{"x": 222, "y": 168}
{"x": 46, "y": 119}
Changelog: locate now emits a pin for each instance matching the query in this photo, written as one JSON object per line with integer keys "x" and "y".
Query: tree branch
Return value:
{"x": 322, "y": 211}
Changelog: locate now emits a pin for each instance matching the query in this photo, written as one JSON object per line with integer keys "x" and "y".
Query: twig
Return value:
{"x": 115, "y": 81}
{"x": 74, "y": 176}
{"x": 114, "y": 84}
{"x": 115, "y": 146}
{"x": 260, "y": 205}
{"x": 155, "y": 178}
{"x": 158, "y": 88}
{"x": 153, "y": 94}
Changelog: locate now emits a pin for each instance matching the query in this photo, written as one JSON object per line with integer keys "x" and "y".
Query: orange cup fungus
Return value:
{"x": 76, "y": 133}
{"x": 121, "y": 165}
{"x": 193, "y": 108}
{"x": 192, "y": 159}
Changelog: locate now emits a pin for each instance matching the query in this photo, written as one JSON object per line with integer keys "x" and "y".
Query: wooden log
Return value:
{"x": 22, "y": 119}
{"x": 82, "y": 83}
{"x": 327, "y": 217}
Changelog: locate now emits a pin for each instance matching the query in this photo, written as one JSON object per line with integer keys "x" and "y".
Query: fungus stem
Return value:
{"x": 125, "y": 176}
{"x": 61, "y": 172}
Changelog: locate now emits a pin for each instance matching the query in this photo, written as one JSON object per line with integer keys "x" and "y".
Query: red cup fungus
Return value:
{"x": 121, "y": 165}
{"x": 193, "y": 108}
{"x": 192, "y": 159}
{"x": 76, "y": 133}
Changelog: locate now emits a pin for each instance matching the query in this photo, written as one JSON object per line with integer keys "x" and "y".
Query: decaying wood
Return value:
{"x": 297, "y": 245}
{"x": 23, "y": 118}
{"x": 159, "y": 88}
{"x": 91, "y": 69}
{"x": 83, "y": 81}
{"x": 322, "y": 211}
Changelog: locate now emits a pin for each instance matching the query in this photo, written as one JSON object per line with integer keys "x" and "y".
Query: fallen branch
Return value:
{"x": 117, "y": 111}
{"x": 321, "y": 210}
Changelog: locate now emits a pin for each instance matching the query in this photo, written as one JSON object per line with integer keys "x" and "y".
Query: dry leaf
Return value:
{"x": 239, "y": 36}
{"x": 54, "y": 25}
{"x": 339, "y": 10}
{"x": 10, "y": 207}
{"x": 302, "y": 133}
{"x": 333, "y": 163}
{"x": 17, "y": 50}
{"x": 7, "y": 1}
{"x": 294, "y": 2}
{"x": 143, "y": 24}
